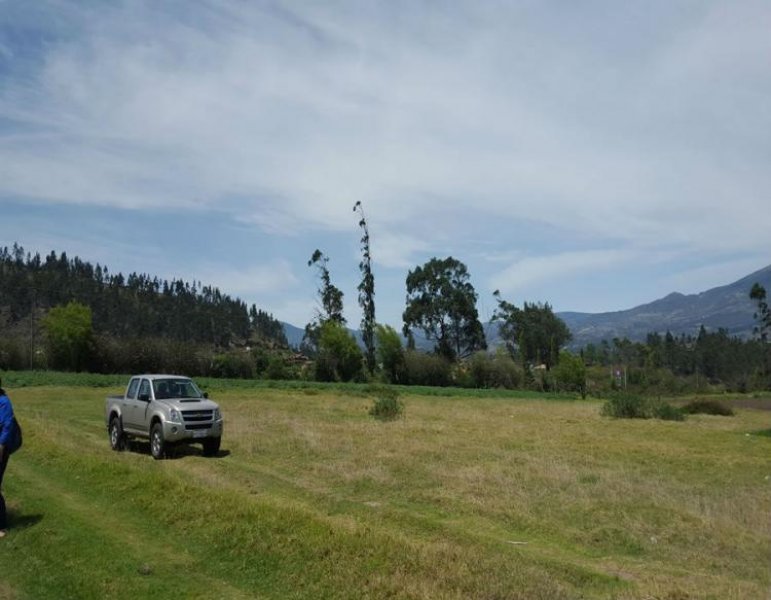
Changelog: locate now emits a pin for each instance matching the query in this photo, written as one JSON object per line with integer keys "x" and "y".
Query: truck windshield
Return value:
{"x": 175, "y": 388}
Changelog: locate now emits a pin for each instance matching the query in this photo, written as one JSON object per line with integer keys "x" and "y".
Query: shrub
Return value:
{"x": 667, "y": 412}
{"x": 189, "y": 358}
{"x": 390, "y": 353}
{"x": 629, "y": 406}
{"x": 427, "y": 369}
{"x": 570, "y": 373}
{"x": 69, "y": 332}
{"x": 261, "y": 358}
{"x": 387, "y": 406}
{"x": 707, "y": 407}
{"x": 496, "y": 371}
{"x": 233, "y": 365}
{"x": 339, "y": 357}
{"x": 277, "y": 368}
{"x": 12, "y": 354}
{"x": 663, "y": 381}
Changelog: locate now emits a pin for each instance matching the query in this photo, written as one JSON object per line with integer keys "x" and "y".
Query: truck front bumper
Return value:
{"x": 180, "y": 432}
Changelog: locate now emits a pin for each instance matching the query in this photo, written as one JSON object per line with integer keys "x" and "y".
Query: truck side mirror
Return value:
{"x": 206, "y": 395}
{"x": 144, "y": 397}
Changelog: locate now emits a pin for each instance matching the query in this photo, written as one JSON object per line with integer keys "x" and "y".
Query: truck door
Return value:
{"x": 127, "y": 404}
{"x": 136, "y": 407}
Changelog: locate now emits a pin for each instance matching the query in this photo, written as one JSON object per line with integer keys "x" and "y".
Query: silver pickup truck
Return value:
{"x": 167, "y": 410}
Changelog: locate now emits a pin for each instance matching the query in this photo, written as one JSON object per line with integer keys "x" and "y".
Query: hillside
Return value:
{"x": 728, "y": 307}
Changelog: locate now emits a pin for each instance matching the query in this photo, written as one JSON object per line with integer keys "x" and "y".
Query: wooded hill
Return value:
{"x": 133, "y": 306}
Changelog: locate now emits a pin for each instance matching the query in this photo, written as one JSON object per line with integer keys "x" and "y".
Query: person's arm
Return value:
{"x": 6, "y": 421}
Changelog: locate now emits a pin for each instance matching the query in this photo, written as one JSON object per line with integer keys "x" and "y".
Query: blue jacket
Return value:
{"x": 6, "y": 420}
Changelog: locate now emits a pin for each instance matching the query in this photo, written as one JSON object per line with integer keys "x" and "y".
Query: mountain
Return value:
{"x": 728, "y": 307}
{"x": 294, "y": 335}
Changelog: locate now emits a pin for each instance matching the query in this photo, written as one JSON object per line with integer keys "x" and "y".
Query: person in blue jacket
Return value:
{"x": 6, "y": 430}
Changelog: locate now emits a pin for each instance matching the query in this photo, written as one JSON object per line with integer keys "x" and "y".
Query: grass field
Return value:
{"x": 467, "y": 497}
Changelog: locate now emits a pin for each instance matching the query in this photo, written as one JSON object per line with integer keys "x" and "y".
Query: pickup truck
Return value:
{"x": 167, "y": 410}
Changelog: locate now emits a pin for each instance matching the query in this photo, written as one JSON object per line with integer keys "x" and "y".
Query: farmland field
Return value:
{"x": 466, "y": 497}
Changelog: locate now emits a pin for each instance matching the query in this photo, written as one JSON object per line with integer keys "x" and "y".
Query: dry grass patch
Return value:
{"x": 465, "y": 497}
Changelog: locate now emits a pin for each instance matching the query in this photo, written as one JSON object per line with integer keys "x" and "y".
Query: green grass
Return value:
{"x": 467, "y": 497}
{"x": 20, "y": 379}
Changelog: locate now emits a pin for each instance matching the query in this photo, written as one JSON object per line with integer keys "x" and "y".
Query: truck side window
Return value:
{"x": 132, "y": 389}
{"x": 144, "y": 387}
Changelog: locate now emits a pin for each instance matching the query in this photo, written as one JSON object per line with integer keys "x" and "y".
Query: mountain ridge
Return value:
{"x": 723, "y": 307}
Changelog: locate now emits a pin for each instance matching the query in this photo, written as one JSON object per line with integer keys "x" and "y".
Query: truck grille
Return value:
{"x": 197, "y": 419}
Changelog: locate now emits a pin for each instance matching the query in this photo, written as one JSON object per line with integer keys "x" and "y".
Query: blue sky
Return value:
{"x": 595, "y": 155}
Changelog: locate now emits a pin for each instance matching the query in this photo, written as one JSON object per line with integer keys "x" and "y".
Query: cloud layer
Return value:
{"x": 625, "y": 130}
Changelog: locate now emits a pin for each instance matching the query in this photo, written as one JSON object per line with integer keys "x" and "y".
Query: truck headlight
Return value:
{"x": 175, "y": 416}
{"x": 217, "y": 414}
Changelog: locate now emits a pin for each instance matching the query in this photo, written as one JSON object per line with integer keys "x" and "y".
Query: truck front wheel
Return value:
{"x": 117, "y": 437}
{"x": 157, "y": 443}
{"x": 211, "y": 446}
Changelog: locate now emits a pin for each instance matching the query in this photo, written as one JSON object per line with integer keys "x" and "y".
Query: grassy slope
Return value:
{"x": 488, "y": 497}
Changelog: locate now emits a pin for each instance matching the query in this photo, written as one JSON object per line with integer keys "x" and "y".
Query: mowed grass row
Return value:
{"x": 465, "y": 498}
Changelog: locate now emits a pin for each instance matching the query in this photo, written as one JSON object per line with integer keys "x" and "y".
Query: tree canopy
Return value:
{"x": 390, "y": 353}
{"x": 442, "y": 303}
{"x": 533, "y": 331}
{"x": 366, "y": 292}
{"x": 763, "y": 314}
{"x": 339, "y": 357}
{"x": 331, "y": 299}
{"x": 763, "y": 318}
{"x": 70, "y": 335}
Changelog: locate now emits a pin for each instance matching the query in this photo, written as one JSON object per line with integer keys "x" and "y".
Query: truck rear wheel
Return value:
{"x": 157, "y": 443}
{"x": 211, "y": 446}
{"x": 117, "y": 437}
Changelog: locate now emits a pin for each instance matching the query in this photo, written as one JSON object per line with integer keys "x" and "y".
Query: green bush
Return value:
{"x": 667, "y": 412}
{"x": 627, "y": 406}
{"x": 387, "y": 406}
{"x": 570, "y": 373}
{"x": 261, "y": 358}
{"x": 630, "y": 406}
{"x": 390, "y": 354}
{"x": 69, "y": 332}
{"x": 339, "y": 357}
{"x": 233, "y": 365}
{"x": 277, "y": 368}
{"x": 707, "y": 407}
{"x": 151, "y": 355}
{"x": 493, "y": 371}
{"x": 427, "y": 369}
{"x": 12, "y": 354}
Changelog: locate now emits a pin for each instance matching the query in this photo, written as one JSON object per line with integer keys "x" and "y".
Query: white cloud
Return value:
{"x": 531, "y": 271}
{"x": 397, "y": 251}
{"x": 700, "y": 279}
{"x": 262, "y": 280}
{"x": 296, "y": 312}
{"x": 620, "y": 128}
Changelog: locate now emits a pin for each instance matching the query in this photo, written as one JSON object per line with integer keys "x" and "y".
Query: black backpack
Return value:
{"x": 16, "y": 438}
